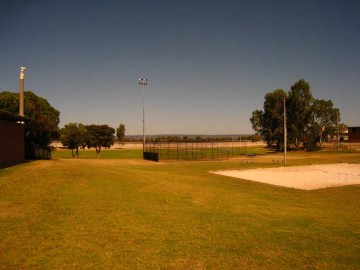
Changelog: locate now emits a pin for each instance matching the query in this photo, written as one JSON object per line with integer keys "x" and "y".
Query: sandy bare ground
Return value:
{"x": 302, "y": 177}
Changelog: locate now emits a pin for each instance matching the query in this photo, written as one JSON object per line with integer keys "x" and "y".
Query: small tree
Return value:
{"x": 120, "y": 133}
{"x": 73, "y": 136}
{"x": 99, "y": 136}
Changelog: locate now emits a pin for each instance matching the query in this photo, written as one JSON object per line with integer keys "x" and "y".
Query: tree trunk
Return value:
{"x": 320, "y": 140}
{"x": 98, "y": 151}
{"x": 296, "y": 144}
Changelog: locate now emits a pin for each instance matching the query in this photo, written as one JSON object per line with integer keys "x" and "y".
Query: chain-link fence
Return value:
{"x": 341, "y": 146}
{"x": 194, "y": 150}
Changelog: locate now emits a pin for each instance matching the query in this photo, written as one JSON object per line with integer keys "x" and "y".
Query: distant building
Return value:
{"x": 12, "y": 139}
{"x": 354, "y": 134}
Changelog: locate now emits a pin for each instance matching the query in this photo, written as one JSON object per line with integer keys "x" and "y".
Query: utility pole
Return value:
{"x": 337, "y": 129}
{"x": 22, "y": 86}
{"x": 143, "y": 82}
{"x": 285, "y": 132}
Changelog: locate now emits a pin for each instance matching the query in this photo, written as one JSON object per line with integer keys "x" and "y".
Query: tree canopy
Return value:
{"x": 73, "y": 136}
{"x": 120, "y": 133}
{"x": 44, "y": 126}
{"x": 299, "y": 112}
{"x": 324, "y": 120}
{"x": 309, "y": 120}
{"x": 269, "y": 122}
{"x": 99, "y": 136}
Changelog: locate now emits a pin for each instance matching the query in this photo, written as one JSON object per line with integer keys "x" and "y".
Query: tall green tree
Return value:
{"x": 324, "y": 121}
{"x": 269, "y": 123}
{"x": 44, "y": 126}
{"x": 299, "y": 112}
{"x": 257, "y": 123}
{"x": 99, "y": 136}
{"x": 309, "y": 121}
{"x": 73, "y": 136}
{"x": 120, "y": 133}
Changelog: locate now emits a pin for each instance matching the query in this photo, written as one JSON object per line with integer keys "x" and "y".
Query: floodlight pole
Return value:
{"x": 22, "y": 86}
{"x": 143, "y": 82}
{"x": 337, "y": 130}
{"x": 285, "y": 133}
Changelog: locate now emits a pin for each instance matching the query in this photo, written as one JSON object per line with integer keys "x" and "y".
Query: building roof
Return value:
{"x": 13, "y": 117}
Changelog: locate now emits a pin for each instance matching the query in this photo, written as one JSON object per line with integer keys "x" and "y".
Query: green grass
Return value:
{"x": 134, "y": 214}
{"x": 104, "y": 154}
{"x": 164, "y": 153}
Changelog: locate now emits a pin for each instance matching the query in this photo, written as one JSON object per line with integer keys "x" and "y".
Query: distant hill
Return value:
{"x": 190, "y": 136}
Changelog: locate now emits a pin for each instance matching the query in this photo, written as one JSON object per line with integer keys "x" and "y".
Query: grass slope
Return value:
{"x": 133, "y": 214}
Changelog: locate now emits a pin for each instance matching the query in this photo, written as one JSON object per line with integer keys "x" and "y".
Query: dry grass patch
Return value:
{"x": 120, "y": 214}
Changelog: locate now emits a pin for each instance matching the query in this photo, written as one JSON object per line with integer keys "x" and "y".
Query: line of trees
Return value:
{"x": 78, "y": 136}
{"x": 169, "y": 138}
{"x": 310, "y": 121}
{"x": 43, "y": 128}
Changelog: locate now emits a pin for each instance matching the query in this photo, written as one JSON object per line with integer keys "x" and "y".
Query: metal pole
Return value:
{"x": 285, "y": 131}
{"x": 143, "y": 82}
{"x": 22, "y": 87}
{"x": 337, "y": 127}
{"x": 143, "y": 104}
{"x": 232, "y": 146}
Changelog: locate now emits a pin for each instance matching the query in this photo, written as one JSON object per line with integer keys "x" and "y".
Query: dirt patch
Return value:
{"x": 302, "y": 177}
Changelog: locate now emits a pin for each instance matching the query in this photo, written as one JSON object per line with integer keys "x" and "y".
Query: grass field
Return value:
{"x": 104, "y": 154}
{"x": 126, "y": 213}
{"x": 165, "y": 154}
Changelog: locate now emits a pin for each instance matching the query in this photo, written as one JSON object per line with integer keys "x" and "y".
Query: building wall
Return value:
{"x": 354, "y": 134}
{"x": 12, "y": 143}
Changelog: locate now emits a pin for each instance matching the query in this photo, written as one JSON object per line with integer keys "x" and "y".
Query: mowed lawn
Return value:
{"x": 135, "y": 214}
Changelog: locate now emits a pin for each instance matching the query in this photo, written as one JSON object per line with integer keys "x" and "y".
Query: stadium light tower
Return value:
{"x": 21, "y": 98}
{"x": 143, "y": 82}
{"x": 285, "y": 131}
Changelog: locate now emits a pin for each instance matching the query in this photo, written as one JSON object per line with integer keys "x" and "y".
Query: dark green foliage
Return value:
{"x": 299, "y": 112}
{"x": 309, "y": 121}
{"x": 99, "y": 136}
{"x": 270, "y": 122}
{"x": 120, "y": 133}
{"x": 73, "y": 136}
{"x": 9, "y": 102}
{"x": 255, "y": 137}
{"x": 44, "y": 126}
{"x": 325, "y": 118}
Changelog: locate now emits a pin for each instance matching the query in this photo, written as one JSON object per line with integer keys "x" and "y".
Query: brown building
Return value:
{"x": 354, "y": 134}
{"x": 12, "y": 139}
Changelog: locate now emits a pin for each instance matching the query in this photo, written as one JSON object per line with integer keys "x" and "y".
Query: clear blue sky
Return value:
{"x": 209, "y": 63}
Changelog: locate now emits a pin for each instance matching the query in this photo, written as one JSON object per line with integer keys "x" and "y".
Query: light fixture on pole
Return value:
{"x": 143, "y": 82}
{"x": 22, "y": 86}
